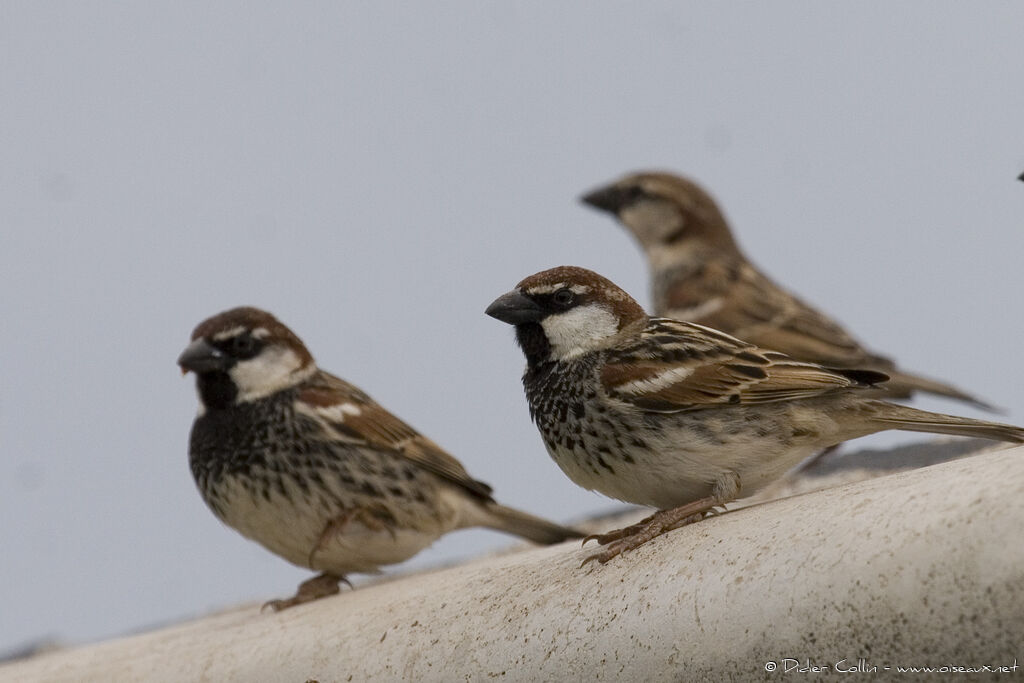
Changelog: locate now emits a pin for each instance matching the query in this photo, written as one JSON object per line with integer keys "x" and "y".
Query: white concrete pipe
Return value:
{"x": 917, "y": 569}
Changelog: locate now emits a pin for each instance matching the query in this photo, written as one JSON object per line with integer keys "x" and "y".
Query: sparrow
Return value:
{"x": 699, "y": 274}
{"x": 679, "y": 416}
{"x": 316, "y": 471}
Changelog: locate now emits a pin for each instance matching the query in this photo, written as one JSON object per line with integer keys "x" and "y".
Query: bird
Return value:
{"x": 679, "y": 416}
{"x": 700, "y": 274}
{"x": 316, "y": 471}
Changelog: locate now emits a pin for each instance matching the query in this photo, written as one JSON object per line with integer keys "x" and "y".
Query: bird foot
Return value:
{"x": 320, "y": 586}
{"x": 631, "y": 537}
{"x": 606, "y": 538}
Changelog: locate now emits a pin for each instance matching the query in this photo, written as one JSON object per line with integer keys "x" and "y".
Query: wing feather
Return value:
{"x": 677, "y": 366}
{"x": 357, "y": 418}
{"x": 754, "y": 308}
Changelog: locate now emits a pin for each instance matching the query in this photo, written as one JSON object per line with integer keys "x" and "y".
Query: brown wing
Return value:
{"x": 679, "y": 366}
{"x": 356, "y": 417}
{"x": 752, "y": 307}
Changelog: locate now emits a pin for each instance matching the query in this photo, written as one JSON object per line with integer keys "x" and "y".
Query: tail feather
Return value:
{"x": 914, "y": 420}
{"x": 903, "y": 384}
{"x": 518, "y": 523}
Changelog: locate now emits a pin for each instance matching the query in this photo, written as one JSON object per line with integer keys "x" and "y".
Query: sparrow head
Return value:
{"x": 663, "y": 210}
{"x": 565, "y": 312}
{"x": 244, "y": 354}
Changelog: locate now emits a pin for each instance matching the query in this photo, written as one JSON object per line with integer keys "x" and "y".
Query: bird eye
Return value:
{"x": 243, "y": 346}
{"x": 563, "y": 298}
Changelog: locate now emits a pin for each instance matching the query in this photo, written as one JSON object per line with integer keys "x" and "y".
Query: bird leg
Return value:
{"x": 337, "y": 526}
{"x": 634, "y": 536}
{"x": 320, "y": 586}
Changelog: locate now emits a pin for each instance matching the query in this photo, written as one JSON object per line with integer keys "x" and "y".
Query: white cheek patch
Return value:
{"x": 274, "y": 369}
{"x": 579, "y": 330}
{"x": 651, "y": 221}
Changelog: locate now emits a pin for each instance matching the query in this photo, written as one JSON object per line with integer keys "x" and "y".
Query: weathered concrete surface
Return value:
{"x": 846, "y": 467}
{"x": 918, "y": 568}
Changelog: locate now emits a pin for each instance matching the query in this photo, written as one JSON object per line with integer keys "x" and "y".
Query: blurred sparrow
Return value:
{"x": 313, "y": 469}
{"x": 700, "y": 275}
{"x": 679, "y": 416}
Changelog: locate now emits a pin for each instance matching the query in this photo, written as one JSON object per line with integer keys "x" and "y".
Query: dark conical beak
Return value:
{"x": 515, "y": 309}
{"x": 611, "y": 199}
{"x": 200, "y": 356}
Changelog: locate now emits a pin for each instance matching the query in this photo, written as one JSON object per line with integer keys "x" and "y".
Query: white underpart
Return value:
{"x": 274, "y": 369}
{"x": 655, "y": 383}
{"x": 293, "y": 527}
{"x": 579, "y": 330}
{"x": 705, "y": 308}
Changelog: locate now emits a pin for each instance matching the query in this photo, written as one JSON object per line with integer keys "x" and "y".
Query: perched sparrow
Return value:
{"x": 679, "y": 416}
{"x": 700, "y": 275}
{"x": 313, "y": 469}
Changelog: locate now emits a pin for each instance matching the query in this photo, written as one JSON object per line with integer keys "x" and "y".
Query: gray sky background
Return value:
{"x": 376, "y": 173}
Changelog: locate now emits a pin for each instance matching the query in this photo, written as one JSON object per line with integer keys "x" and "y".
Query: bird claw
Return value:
{"x": 320, "y": 586}
{"x": 602, "y": 539}
{"x": 632, "y": 537}
{"x": 278, "y": 605}
{"x": 617, "y": 534}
